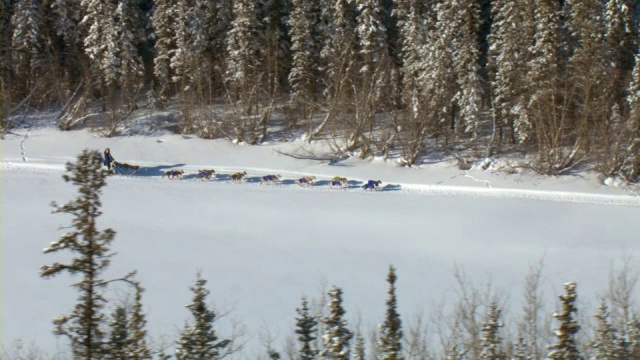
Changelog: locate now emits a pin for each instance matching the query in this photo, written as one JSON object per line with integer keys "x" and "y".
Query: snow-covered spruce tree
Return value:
{"x": 373, "y": 65}
{"x": 491, "y": 340}
{"x": 116, "y": 347}
{"x": 163, "y": 22}
{"x": 372, "y": 44}
{"x": 412, "y": 38}
{"x": 336, "y": 340}
{"x": 633, "y": 339}
{"x": 198, "y": 340}
{"x": 304, "y": 58}
{"x": 558, "y": 148}
{"x": 621, "y": 43}
{"x": 100, "y": 46}
{"x": 338, "y": 50}
{"x": 137, "y": 329}
{"x": 243, "y": 51}
{"x": 359, "y": 348}
{"x": 66, "y": 15}
{"x": 455, "y": 353}
{"x": 466, "y": 61}
{"x": 605, "y": 342}
{"x": 26, "y": 44}
{"x": 390, "y": 342}
{"x": 521, "y": 350}
{"x": 633, "y": 125}
{"x": 565, "y": 347}
{"x": 337, "y": 57}
{"x": 129, "y": 36}
{"x": 438, "y": 79}
{"x": 511, "y": 37}
{"x": 275, "y": 15}
{"x": 193, "y": 58}
{"x": 90, "y": 251}
{"x": 306, "y": 328}
{"x": 127, "y": 340}
{"x": 243, "y": 73}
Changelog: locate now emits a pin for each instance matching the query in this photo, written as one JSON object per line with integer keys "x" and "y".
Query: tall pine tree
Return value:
{"x": 199, "y": 339}
{"x": 390, "y": 343}
{"x": 306, "y": 328}
{"x": 336, "y": 340}
{"x": 90, "y": 250}
{"x": 565, "y": 347}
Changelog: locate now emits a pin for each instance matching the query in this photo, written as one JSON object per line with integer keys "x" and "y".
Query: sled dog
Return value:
{"x": 205, "y": 174}
{"x": 172, "y": 174}
{"x": 270, "y": 179}
{"x": 237, "y": 177}
{"x": 306, "y": 180}
{"x": 372, "y": 185}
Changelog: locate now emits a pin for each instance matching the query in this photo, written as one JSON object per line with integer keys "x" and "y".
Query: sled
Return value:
{"x": 124, "y": 169}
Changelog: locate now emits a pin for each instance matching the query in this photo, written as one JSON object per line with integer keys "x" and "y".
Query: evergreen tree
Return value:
{"x": 163, "y": 22}
{"x": 26, "y": 43}
{"x": 372, "y": 39}
{"x": 606, "y": 342}
{"x": 181, "y": 57}
{"x": 243, "y": 50}
{"x": 275, "y": 15}
{"x": 307, "y": 331}
{"x": 438, "y": 80}
{"x": 491, "y": 340}
{"x": 634, "y": 123}
{"x": 565, "y": 347}
{"x": 358, "y": 348}
{"x": 338, "y": 51}
{"x": 466, "y": 61}
{"x": 510, "y": 40}
{"x": 100, "y": 45}
{"x": 544, "y": 77}
{"x": 337, "y": 338}
{"x": 90, "y": 249}
{"x": 66, "y": 16}
{"x": 302, "y": 75}
{"x": 621, "y": 42}
{"x": 410, "y": 43}
{"x": 633, "y": 341}
{"x": 116, "y": 349}
{"x": 129, "y": 36}
{"x": 454, "y": 352}
{"x": 521, "y": 350}
{"x": 199, "y": 340}
{"x": 136, "y": 331}
{"x": 390, "y": 342}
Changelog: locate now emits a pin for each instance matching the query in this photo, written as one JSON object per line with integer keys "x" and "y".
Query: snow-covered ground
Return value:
{"x": 262, "y": 247}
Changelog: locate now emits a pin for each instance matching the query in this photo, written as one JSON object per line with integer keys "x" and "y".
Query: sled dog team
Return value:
{"x": 208, "y": 174}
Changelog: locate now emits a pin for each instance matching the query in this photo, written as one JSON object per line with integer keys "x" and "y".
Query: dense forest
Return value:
{"x": 555, "y": 80}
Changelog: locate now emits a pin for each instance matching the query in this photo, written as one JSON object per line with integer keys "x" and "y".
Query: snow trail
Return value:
{"x": 148, "y": 173}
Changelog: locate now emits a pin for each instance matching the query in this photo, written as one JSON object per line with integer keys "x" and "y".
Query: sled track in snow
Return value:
{"x": 483, "y": 189}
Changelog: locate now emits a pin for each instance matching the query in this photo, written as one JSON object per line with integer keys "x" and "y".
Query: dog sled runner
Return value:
{"x": 124, "y": 168}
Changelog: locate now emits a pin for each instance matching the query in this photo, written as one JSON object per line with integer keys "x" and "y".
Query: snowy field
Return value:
{"x": 262, "y": 247}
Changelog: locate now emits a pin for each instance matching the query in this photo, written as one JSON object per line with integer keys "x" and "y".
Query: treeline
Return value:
{"x": 558, "y": 80}
{"x": 470, "y": 326}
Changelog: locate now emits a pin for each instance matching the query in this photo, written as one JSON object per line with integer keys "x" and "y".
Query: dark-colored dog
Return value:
{"x": 270, "y": 179}
{"x": 372, "y": 185}
{"x": 173, "y": 174}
